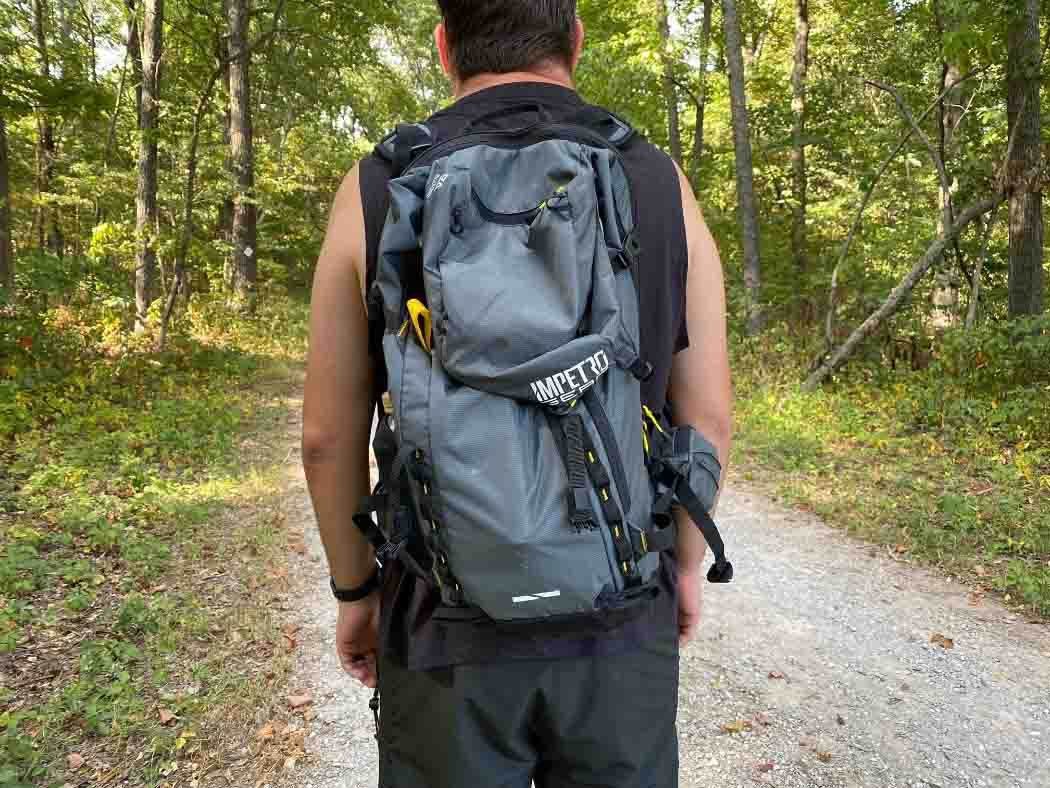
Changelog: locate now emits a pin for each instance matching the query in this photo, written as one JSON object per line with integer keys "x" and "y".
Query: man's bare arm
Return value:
{"x": 337, "y": 405}
{"x": 701, "y": 393}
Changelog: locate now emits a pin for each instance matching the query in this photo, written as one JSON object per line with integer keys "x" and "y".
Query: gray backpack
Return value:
{"x": 520, "y": 473}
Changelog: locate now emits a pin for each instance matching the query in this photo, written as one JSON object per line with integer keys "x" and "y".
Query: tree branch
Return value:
{"x": 935, "y": 156}
{"x": 901, "y": 291}
{"x": 829, "y": 325}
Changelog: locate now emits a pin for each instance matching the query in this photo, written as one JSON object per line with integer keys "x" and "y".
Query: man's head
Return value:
{"x": 478, "y": 37}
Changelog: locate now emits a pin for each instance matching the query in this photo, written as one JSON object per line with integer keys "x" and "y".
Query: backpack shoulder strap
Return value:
{"x": 403, "y": 144}
{"x": 617, "y": 131}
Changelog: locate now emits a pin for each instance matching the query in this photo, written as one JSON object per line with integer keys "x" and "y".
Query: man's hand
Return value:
{"x": 690, "y": 604}
{"x": 356, "y": 637}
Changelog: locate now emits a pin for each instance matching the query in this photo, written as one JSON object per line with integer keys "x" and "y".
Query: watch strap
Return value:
{"x": 358, "y": 593}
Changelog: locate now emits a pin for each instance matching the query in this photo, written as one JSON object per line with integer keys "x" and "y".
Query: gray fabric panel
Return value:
{"x": 399, "y": 244}
{"x": 508, "y": 299}
{"x": 413, "y": 410}
{"x": 394, "y": 355}
{"x": 603, "y": 161}
{"x": 536, "y": 172}
{"x": 705, "y": 470}
{"x": 504, "y": 514}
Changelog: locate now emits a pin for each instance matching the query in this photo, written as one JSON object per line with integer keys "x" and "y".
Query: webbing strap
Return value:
{"x": 625, "y": 552}
{"x": 721, "y": 571}
{"x": 569, "y": 440}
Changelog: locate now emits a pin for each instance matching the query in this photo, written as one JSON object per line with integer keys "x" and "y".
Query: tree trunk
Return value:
{"x": 46, "y": 143}
{"x": 798, "y": 150}
{"x": 951, "y": 110}
{"x": 900, "y": 292}
{"x": 701, "y": 105}
{"x": 182, "y": 252}
{"x": 244, "y": 214}
{"x": 1026, "y": 199}
{"x": 745, "y": 185}
{"x": 135, "y": 55}
{"x": 7, "y": 258}
{"x": 146, "y": 195}
{"x": 224, "y": 218}
{"x": 674, "y": 134}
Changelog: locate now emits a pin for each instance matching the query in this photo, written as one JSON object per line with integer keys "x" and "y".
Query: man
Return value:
{"x": 465, "y": 703}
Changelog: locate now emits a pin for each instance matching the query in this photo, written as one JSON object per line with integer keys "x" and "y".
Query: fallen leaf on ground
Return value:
{"x": 300, "y": 701}
{"x": 289, "y": 629}
{"x": 737, "y": 726}
{"x": 75, "y": 760}
{"x": 266, "y": 732}
{"x": 776, "y": 674}
{"x": 166, "y": 716}
{"x": 944, "y": 642}
{"x": 289, "y": 642}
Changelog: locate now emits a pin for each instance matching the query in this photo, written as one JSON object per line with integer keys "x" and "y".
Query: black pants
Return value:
{"x": 604, "y": 722}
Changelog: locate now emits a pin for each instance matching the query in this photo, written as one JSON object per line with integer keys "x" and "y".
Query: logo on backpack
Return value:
{"x": 570, "y": 383}
{"x": 439, "y": 181}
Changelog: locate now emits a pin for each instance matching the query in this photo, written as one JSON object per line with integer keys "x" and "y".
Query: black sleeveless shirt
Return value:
{"x": 411, "y": 631}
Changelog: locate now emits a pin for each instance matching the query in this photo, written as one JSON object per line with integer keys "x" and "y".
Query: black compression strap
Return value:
{"x": 568, "y": 437}
{"x": 721, "y": 571}
{"x": 575, "y": 463}
{"x": 625, "y": 552}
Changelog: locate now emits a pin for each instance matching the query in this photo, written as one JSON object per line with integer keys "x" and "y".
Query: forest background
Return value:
{"x": 872, "y": 171}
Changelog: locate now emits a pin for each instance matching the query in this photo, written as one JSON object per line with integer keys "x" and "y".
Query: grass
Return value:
{"x": 948, "y": 465}
{"x": 143, "y": 535}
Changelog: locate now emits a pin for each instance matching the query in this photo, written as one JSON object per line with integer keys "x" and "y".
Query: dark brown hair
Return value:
{"x": 498, "y": 36}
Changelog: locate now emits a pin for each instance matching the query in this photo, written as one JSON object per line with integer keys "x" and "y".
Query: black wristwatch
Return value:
{"x": 359, "y": 593}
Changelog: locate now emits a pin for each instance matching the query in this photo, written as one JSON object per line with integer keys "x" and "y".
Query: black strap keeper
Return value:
{"x": 720, "y": 572}
{"x": 642, "y": 370}
{"x": 356, "y": 594}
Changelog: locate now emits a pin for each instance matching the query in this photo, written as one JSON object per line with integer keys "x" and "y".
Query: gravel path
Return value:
{"x": 815, "y": 667}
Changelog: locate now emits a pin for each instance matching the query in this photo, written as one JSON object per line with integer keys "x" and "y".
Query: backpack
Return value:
{"x": 519, "y": 472}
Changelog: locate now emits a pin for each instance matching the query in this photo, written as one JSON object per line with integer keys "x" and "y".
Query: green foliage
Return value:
{"x": 117, "y": 460}
{"x": 949, "y": 464}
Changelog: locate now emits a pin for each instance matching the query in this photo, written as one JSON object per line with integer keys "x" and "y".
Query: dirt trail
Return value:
{"x": 818, "y": 656}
